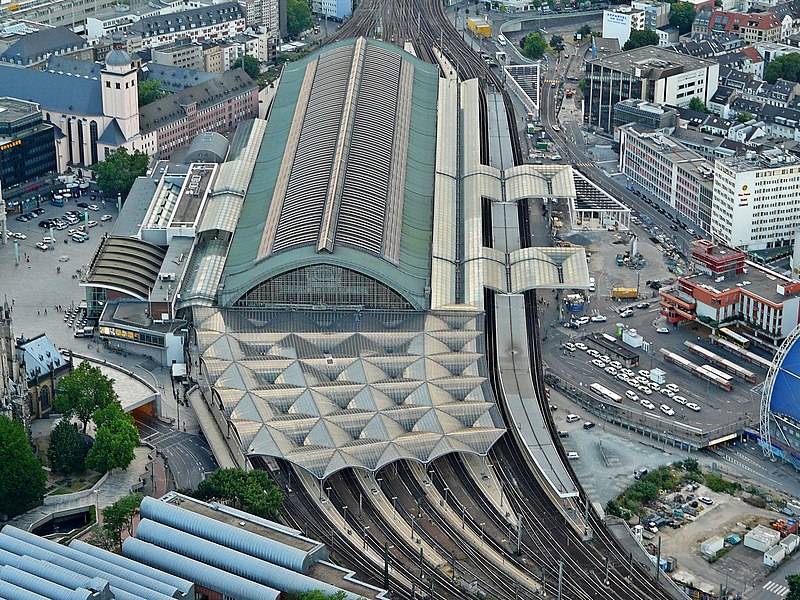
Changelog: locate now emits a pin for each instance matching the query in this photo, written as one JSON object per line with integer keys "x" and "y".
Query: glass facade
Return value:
{"x": 28, "y": 155}
{"x": 323, "y": 285}
{"x": 605, "y": 87}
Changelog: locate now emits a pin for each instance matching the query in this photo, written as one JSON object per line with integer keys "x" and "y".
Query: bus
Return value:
{"x": 605, "y": 393}
{"x": 733, "y": 337}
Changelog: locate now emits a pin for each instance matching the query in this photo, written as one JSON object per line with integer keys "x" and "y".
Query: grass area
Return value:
{"x": 77, "y": 483}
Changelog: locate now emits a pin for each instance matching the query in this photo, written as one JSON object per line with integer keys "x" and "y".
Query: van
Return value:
{"x": 573, "y": 456}
{"x": 571, "y": 418}
{"x": 563, "y": 434}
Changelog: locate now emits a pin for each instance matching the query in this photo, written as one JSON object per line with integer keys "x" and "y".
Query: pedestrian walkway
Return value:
{"x": 208, "y": 425}
{"x": 117, "y": 484}
{"x": 779, "y": 590}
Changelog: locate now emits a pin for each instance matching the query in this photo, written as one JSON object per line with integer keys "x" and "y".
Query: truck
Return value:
{"x": 624, "y": 292}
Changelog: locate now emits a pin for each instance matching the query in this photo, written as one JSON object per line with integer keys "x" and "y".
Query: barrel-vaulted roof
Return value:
{"x": 345, "y": 174}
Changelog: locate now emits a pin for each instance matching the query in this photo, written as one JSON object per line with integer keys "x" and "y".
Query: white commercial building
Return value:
{"x": 656, "y": 13}
{"x": 620, "y": 21}
{"x": 755, "y": 200}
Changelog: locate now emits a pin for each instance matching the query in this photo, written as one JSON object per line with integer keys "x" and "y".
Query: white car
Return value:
{"x": 645, "y": 390}
{"x": 593, "y": 353}
{"x": 622, "y": 377}
{"x": 48, "y": 240}
{"x": 611, "y": 371}
{"x": 672, "y": 387}
{"x": 667, "y": 393}
{"x": 581, "y": 346}
{"x": 582, "y": 320}
{"x": 92, "y": 223}
{"x": 662, "y": 330}
{"x": 599, "y": 363}
{"x": 679, "y": 400}
{"x": 105, "y": 218}
{"x": 20, "y": 236}
{"x": 606, "y": 359}
{"x": 569, "y": 346}
{"x": 616, "y": 364}
{"x": 653, "y": 385}
{"x": 598, "y": 319}
{"x": 42, "y": 246}
{"x": 693, "y": 406}
{"x": 94, "y": 207}
{"x": 647, "y": 404}
{"x": 644, "y": 373}
{"x": 667, "y": 410}
{"x": 631, "y": 395}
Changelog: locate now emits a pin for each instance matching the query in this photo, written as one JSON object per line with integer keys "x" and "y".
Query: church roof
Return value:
{"x": 34, "y": 47}
{"x": 54, "y": 92}
{"x": 113, "y": 135}
{"x": 40, "y": 355}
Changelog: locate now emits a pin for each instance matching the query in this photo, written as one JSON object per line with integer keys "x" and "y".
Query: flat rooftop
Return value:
{"x": 752, "y": 161}
{"x": 12, "y": 109}
{"x": 653, "y": 62}
{"x": 757, "y": 281}
{"x": 180, "y": 195}
{"x": 134, "y": 313}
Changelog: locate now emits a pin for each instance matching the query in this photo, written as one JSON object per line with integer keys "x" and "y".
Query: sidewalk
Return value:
{"x": 116, "y": 485}
{"x": 208, "y": 426}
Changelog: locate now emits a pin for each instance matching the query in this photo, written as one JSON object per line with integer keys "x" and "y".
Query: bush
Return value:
{"x": 721, "y": 485}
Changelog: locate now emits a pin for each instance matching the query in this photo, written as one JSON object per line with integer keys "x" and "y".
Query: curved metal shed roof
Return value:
{"x": 52, "y": 572}
{"x": 222, "y": 533}
{"x": 345, "y": 171}
{"x": 201, "y": 573}
{"x": 33, "y": 583}
{"x": 208, "y": 146}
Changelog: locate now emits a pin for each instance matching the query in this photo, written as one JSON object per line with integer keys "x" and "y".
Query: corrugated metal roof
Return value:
{"x": 206, "y": 575}
{"x": 345, "y": 174}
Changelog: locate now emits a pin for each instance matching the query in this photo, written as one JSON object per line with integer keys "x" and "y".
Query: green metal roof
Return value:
{"x": 380, "y": 143}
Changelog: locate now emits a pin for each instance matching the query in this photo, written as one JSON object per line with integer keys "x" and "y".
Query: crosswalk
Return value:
{"x": 551, "y": 80}
{"x": 584, "y": 164}
{"x": 776, "y": 588}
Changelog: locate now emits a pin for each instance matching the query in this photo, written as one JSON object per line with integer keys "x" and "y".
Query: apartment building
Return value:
{"x": 216, "y": 22}
{"x": 755, "y": 200}
{"x": 730, "y": 291}
{"x": 656, "y": 13}
{"x": 656, "y": 75}
{"x": 669, "y": 171}
{"x": 751, "y": 27}
{"x": 618, "y": 22}
{"x": 185, "y": 56}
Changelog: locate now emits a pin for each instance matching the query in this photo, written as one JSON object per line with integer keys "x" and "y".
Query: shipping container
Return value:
{"x": 624, "y": 292}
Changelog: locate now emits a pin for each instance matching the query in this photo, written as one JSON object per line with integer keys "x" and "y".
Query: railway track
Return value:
{"x": 548, "y": 544}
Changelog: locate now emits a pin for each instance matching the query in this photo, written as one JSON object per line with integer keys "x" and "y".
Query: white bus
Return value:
{"x": 606, "y": 393}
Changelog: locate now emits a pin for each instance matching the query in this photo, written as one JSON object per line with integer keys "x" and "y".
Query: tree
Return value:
{"x": 584, "y": 30}
{"x": 641, "y": 37}
{"x": 316, "y": 595}
{"x": 120, "y": 169}
{"x": 682, "y": 16}
{"x": 298, "y": 17}
{"x": 250, "y": 65}
{"x": 115, "y": 441}
{"x": 794, "y": 587}
{"x": 117, "y": 518}
{"x": 150, "y": 91}
{"x": 535, "y": 46}
{"x": 557, "y": 43}
{"x": 696, "y": 104}
{"x": 744, "y": 117}
{"x": 83, "y": 391}
{"x": 22, "y": 476}
{"x": 253, "y": 491}
{"x": 67, "y": 450}
{"x": 784, "y": 67}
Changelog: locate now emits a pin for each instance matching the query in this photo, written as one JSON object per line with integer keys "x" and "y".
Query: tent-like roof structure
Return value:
{"x": 329, "y": 390}
{"x": 345, "y": 175}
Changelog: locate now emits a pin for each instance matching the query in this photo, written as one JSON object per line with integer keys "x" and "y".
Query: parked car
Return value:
{"x": 93, "y": 207}
{"x": 643, "y": 305}
{"x": 667, "y": 410}
{"x": 693, "y": 406}
{"x": 92, "y": 223}
{"x": 569, "y": 346}
{"x": 583, "y": 320}
{"x": 704, "y": 499}
{"x": 626, "y": 313}
{"x": 581, "y": 346}
{"x": 631, "y": 395}
{"x": 82, "y": 205}
{"x": 598, "y": 319}
{"x": 105, "y": 218}
{"x": 679, "y": 400}
{"x": 662, "y": 330}
{"x": 647, "y": 404}
{"x": 599, "y": 363}
{"x": 588, "y": 425}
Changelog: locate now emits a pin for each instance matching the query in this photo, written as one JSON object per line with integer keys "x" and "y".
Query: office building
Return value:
{"x": 183, "y": 55}
{"x": 761, "y": 304}
{"x": 618, "y": 23}
{"x": 27, "y": 145}
{"x": 653, "y": 116}
{"x": 755, "y": 200}
{"x": 656, "y": 13}
{"x": 333, "y": 9}
{"x": 669, "y": 171}
{"x": 656, "y": 75}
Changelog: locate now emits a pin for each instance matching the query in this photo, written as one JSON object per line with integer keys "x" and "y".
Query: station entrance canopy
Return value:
{"x": 334, "y": 389}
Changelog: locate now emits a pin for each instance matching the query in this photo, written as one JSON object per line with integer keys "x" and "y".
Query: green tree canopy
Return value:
{"x": 22, "y": 476}
{"x": 298, "y": 17}
{"x": 696, "y": 104}
{"x": 316, "y": 595}
{"x": 557, "y": 43}
{"x": 67, "y": 450}
{"x": 584, "y": 30}
{"x": 150, "y": 91}
{"x": 784, "y": 67}
{"x": 82, "y": 392}
{"x": 744, "y": 117}
{"x": 253, "y": 491}
{"x": 794, "y": 587}
{"x": 120, "y": 169}
{"x": 682, "y": 16}
{"x": 641, "y": 37}
{"x": 250, "y": 65}
{"x": 116, "y": 439}
{"x": 534, "y": 46}
{"x": 117, "y": 518}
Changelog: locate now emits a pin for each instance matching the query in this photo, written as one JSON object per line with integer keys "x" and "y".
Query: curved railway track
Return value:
{"x": 547, "y": 541}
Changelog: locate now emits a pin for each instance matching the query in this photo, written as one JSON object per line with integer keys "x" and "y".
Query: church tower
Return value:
{"x": 120, "y": 90}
